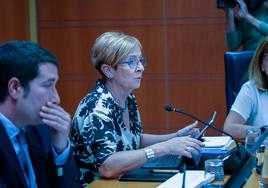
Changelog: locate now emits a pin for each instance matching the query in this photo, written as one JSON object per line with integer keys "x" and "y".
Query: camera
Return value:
{"x": 251, "y": 4}
{"x": 226, "y": 3}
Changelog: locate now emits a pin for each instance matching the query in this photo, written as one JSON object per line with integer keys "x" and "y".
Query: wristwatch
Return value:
{"x": 149, "y": 154}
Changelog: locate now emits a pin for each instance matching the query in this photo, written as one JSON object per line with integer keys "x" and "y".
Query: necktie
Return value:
{"x": 23, "y": 156}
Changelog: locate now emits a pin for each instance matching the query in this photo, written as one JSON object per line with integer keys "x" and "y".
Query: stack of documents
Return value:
{"x": 217, "y": 144}
{"x": 193, "y": 179}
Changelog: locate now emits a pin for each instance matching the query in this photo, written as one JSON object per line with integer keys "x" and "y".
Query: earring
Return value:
{"x": 109, "y": 75}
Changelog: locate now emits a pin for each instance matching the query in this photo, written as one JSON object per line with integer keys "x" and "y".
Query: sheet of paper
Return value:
{"x": 194, "y": 179}
{"x": 216, "y": 141}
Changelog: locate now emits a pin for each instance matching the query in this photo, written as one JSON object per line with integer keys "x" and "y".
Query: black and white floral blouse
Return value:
{"x": 98, "y": 131}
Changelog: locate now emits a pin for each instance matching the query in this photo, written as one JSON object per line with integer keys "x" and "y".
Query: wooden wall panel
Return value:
{"x": 71, "y": 92}
{"x": 183, "y": 39}
{"x": 78, "y": 42}
{"x": 195, "y": 52}
{"x": 192, "y": 8}
{"x": 14, "y": 20}
{"x": 99, "y": 11}
{"x": 197, "y": 97}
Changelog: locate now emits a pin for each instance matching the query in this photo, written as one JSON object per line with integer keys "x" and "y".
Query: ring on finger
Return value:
{"x": 188, "y": 148}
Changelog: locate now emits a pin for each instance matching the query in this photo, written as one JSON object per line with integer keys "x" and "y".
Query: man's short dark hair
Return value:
{"x": 21, "y": 59}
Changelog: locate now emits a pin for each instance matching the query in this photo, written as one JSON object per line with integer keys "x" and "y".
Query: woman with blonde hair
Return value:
{"x": 251, "y": 104}
{"x": 107, "y": 136}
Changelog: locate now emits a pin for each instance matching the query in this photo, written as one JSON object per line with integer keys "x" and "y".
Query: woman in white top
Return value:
{"x": 251, "y": 105}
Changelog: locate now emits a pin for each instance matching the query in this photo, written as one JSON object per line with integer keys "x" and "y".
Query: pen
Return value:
{"x": 184, "y": 176}
{"x": 165, "y": 171}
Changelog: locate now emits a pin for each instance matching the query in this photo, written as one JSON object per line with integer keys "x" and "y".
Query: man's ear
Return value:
{"x": 14, "y": 87}
{"x": 107, "y": 70}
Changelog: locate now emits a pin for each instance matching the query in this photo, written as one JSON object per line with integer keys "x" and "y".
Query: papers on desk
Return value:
{"x": 217, "y": 145}
{"x": 216, "y": 141}
{"x": 193, "y": 179}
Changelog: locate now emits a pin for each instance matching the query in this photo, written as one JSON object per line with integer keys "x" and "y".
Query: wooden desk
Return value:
{"x": 253, "y": 181}
{"x": 103, "y": 183}
{"x": 120, "y": 184}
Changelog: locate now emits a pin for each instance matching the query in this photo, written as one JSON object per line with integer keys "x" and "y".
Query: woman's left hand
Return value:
{"x": 242, "y": 10}
{"x": 189, "y": 130}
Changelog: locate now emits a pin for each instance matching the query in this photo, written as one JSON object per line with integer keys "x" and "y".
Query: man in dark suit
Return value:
{"x": 38, "y": 155}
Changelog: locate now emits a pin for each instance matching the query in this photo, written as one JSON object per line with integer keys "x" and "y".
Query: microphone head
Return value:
{"x": 169, "y": 108}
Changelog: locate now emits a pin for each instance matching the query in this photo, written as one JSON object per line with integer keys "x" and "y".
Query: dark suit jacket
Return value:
{"x": 47, "y": 174}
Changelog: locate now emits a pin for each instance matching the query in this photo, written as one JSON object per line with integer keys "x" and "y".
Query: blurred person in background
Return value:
{"x": 251, "y": 104}
{"x": 246, "y": 24}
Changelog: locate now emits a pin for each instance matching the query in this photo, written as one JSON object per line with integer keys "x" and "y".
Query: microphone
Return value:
{"x": 208, "y": 124}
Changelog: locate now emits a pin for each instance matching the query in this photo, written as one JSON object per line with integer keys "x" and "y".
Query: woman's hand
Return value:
{"x": 242, "y": 10}
{"x": 189, "y": 130}
{"x": 184, "y": 146}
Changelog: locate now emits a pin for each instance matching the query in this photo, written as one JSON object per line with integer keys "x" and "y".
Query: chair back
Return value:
{"x": 236, "y": 69}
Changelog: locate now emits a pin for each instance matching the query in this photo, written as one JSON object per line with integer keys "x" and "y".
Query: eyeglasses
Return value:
{"x": 133, "y": 61}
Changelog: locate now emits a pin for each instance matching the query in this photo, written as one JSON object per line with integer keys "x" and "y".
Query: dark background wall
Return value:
{"x": 183, "y": 40}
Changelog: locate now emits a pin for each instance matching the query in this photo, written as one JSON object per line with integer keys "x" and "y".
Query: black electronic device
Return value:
{"x": 226, "y": 3}
{"x": 203, "y": 131}
{"x": 146, "y": 175}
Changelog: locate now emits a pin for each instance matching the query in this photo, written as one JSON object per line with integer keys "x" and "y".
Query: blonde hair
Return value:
{"x": 112, "y": 47}
{"x": 255, "y": 69}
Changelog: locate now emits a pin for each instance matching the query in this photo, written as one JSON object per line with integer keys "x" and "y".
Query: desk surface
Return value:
{"x": 103, "y": 183}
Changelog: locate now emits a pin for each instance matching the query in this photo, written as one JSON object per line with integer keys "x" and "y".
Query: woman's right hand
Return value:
{"x": 184, "y": 146}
